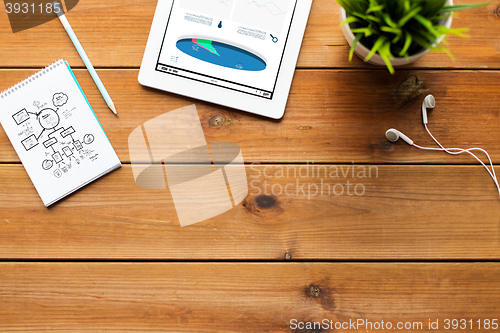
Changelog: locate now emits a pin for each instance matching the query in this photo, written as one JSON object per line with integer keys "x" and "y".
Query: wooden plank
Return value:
{"x": 225, "y": 297}
{"x": 384, "y": 212}
{"x": 114, "y": 34}
{"x": 332, "y": 116}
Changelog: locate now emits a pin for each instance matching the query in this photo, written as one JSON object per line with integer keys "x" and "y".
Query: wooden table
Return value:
{"x": 422, "y": 242}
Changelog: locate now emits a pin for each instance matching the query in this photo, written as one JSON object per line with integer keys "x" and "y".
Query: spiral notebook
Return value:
{"x": 55, "y": 132}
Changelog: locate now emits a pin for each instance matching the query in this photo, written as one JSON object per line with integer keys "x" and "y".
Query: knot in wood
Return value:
{"x": 386, "y": 144}
{"x": 217, "y": 121}
{"x": 410, "y": 88}
{"x": 314, "y": 291}
{"x": 265, "y": 201}
{"x": 263, "y": 205}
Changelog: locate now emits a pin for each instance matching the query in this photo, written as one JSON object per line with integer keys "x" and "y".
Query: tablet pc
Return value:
{"x": 237, "y": 53}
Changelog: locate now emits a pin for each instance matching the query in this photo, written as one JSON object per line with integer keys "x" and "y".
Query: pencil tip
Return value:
{"x": 112, "y": 107}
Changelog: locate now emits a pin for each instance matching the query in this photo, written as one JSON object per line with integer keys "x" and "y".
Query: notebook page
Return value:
{"x": 55, "y": 132}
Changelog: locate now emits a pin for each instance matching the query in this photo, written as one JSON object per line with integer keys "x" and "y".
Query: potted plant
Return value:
{"x": 397, "y": 32}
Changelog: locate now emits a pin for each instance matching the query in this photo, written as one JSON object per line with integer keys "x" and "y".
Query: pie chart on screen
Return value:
{"x": 221, "y": 54}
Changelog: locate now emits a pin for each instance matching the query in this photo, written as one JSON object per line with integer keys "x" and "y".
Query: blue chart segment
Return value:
{"x": 221, "y": 54}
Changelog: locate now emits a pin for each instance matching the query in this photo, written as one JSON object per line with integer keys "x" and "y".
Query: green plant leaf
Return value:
{"x": 375, "y": 7}
{"x": 460, "y": 32}
{"x": 353, "y": 46}
{"x": 441, "y": 48}
{"x": 395, "y": 31}
{"x": 408, "y": 42}
{"x": 455, "y": 8}
{"x": 406, "y": 6}
{"x": 352, "y": 6}
{"x": 388, "y": 20}
{"x": 426, "y": 23}
{"x": 366, "y": 31}
{"x": 422, "y": 41}
{"x": 432, "y": 8}
{"x": 409, "y": 16}
{"x": 430, "y": 38}
{"x": 385, "y": 54}
{"x": 380, "y": 41}
{"x": 368, "y": 17}
{"x": 349, "y": 20}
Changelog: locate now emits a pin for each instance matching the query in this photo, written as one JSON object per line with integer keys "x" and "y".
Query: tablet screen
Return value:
{"x": 234, "y": 44}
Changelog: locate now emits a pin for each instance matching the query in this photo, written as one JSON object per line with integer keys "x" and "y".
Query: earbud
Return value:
{"x": 428, "y": 103}
{"x": 393, "y": 135}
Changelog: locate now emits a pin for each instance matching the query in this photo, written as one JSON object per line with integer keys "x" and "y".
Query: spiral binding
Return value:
{"x": 28, "y": 80}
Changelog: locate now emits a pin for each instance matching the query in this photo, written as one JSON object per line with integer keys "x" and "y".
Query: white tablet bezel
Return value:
{"x": 273, "y": 108}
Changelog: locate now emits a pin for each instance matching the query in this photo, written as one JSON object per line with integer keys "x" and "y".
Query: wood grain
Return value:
{"x": 407, "y": 212}
{"x": 337, "y": 114}
{"x": 332, "y": 116}
{"x": 114, "y": 34}
{"x": 208, "y": 297}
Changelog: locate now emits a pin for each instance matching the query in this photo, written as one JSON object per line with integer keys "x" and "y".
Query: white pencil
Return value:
{"x": 60, "y": 13}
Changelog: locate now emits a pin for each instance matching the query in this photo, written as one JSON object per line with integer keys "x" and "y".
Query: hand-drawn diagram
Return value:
{"x": 61, "y": 147}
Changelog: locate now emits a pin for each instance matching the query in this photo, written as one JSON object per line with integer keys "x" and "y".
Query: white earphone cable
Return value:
{"x": 429, "y": 102}
{"x": 492, "y": 173}
{"x": 456, "y": 151}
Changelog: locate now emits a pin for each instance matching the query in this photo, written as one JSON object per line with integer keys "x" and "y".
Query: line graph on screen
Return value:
{"x": 270, "y": 6}
{"x": 263, "y": 14}
{"x": 217, "y": 8}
